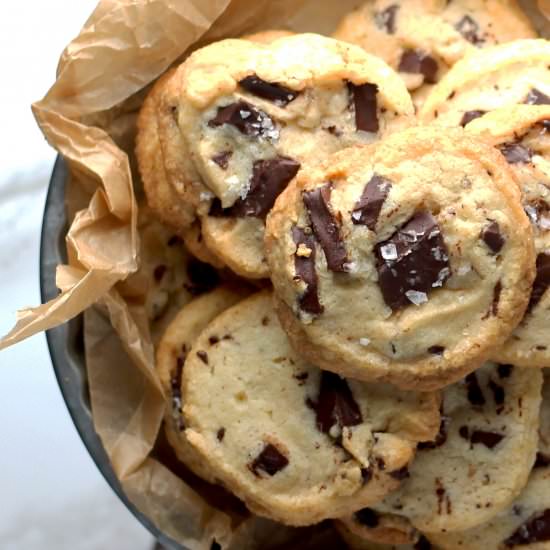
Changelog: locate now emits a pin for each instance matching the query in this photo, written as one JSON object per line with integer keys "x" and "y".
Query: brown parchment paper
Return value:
{"x": 89, "y": 116}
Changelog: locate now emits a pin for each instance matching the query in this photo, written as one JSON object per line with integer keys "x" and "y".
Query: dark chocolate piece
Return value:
{"x": 440, "y": 438}
{"x": 366, "y": 106}
{"x": 270, "y": 461}
{"x": 335, "y": 405}
{"x": 492, "y": 237}
{"x": 222, "y": 159}
{"x": 489, "y": 439}
{"x": 417, "y": 62}
{"x": 469, "y": 116}
{"x": 516, "y": 153}
{"x": 175, "y": 388}
{"x": 202, "y": 277}
{"x": 279, "y": 94}
{"x": 542, "y": 461}
{"x": 325, "y": 227}
{"x": 401, "y": 474}
{"x": 535, "y": 97}
{"x": 436, "y": 350}
{"x": 367, "y": 209}
{"x": 412, "y": 262}
{"x": 305, "y": 270}
{"x": 367, "y": 517}
{"x": 535, "y": 529}
{"x": 221, "y": 434}
{"x": 385, "y": 19}
{"x": 469, "y": 29}
{"x": 498, "y": 395}
{"x": 504, "y": 371}
{"x": 203, "y": 356}
{"x": 542, "y": 280}
{"x": 366, "y": 474}
{"x": 475, "y": 394}
{"x": 496, "y": 297}
{"x": 539, "y": 213}
{"x": 246, "y": 118}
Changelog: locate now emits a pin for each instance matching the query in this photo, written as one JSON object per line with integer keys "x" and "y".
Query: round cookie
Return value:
{"x": 423, "y": 39}
{"x": 172, "y": 351}
{"x": 296, "y": 444}
{"x": 406, "y": 262}
{"x": 482, "y": 457}
{"x": 252, "y": 114}
{"x": 521, "y": 133}
{"x": 493, "y": 78}
{"x": 525, "y": 523}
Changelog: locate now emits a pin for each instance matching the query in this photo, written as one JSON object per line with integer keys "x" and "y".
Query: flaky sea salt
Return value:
{"x": 441, "y": 277}
{"x": 416, "y": 297}
{"x": 464, "y": 270}
{"x": 389, "y": 251}
{"x": 364, "y": 342}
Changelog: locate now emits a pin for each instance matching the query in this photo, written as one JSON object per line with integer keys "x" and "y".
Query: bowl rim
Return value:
{"x": 65, "y": 345}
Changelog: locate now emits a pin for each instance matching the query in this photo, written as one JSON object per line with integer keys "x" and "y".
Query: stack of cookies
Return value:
{"x": 374, "y": 352}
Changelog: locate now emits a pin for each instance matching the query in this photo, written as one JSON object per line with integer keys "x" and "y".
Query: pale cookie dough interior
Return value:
{"x": 296, "y": 444}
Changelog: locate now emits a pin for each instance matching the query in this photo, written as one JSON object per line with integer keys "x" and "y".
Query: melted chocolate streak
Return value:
{"x": 325, "y": 227}
{"x": 305, "y": 270}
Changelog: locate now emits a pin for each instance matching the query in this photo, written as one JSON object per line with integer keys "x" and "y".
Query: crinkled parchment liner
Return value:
{"x": 89, "y": 117}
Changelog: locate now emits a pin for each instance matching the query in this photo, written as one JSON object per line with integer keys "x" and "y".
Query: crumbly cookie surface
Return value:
{"x": 493, "y": 78}
{"x": 521, "y": 134}
{"x": 171, "y": 354}
{"x": 407, "y": 262}
{"x": 423, "y": 39}
{"x": 253, "y": 114}
{"x": 296, "y": 444}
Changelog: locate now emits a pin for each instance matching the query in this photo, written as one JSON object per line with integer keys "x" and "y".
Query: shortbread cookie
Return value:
{"x": 252, "y": 114}
{"x": 172, "y": 352}
{"x": 521, "y": 133}
{"x": 423, "y": 39}
{"x": 526, "y": 522}
{"x": 407, "y": 262}
{"x": 497, "y": 77}
{"x": 482, "y": 457}
{"x": 296, "y": 444}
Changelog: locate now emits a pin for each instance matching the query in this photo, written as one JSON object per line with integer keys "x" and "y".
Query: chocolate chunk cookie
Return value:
{"x": 521, "y": 134}
{"x": 408, "y": 261}
{"x": 496, "y": 77}
{"x": 482, "y": 457}
{"x": 295, "y": 443}
{"x": 172, "y": 352}
{"x": 423, "y": 39}
{"x": 525, "y": 523}
{"x": 251, "y": 115}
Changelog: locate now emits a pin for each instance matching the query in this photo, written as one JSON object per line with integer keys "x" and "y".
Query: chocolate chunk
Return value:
{"x": 175, "y": 388}
{"x": 498, "y": 395}
{"x": 534, "y": 97}
{"x": 367, "y": 209}
{"x": 535, "y": 529}
{"x": 504, "y": 371}
{"x": 202, "y": 277}
{"x": 367, "y": 517}
{"x": 516, "y": 153}
{"x": 542, "y": 461}
{"x": 441, "y": 437}
{"x": 475, "y": 394}
{"x": 542, "y": 280}
{"x": 385, "y": 19}
{"x": 203, "y": 356}
{"x": 222, "y": 159}
{"x": 221, "y": 434}
{"x": 366, "y": 106}
{"x": 159, "y": 272}
{"x": 496, "y": 297}
{"x": 213, "y": 340}
{"x": 272, "y": 91}
{"x": 422, "y": 544}
{"x": 436, "y": 350}
{"x": 469, "y": 116}
{"x": 401, "y": 474}
{"x": 489, "y": 439}
{"x": 270, "y": 460}
{"x": 492, "y": 237}
{"x": 469, "y": 29}
{"x": 381, "y": 463}
{"x": 247, "y": 119}
{"x": 335, "y": 405}
{"x": 539, "y": 213}
{"x": 366, "y": 474}
{"x": 305, "y": 270}
{"x": 418, "y": 62}
{"x": 325, "y": 227}
{"x": 269, "y": 180}
{"x": 412, "y": 262}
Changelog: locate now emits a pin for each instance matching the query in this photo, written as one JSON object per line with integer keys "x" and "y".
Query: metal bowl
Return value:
{"x": 66, "y": 344}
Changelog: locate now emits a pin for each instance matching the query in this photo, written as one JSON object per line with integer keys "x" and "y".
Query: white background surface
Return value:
{"x": 51, "y": 494}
